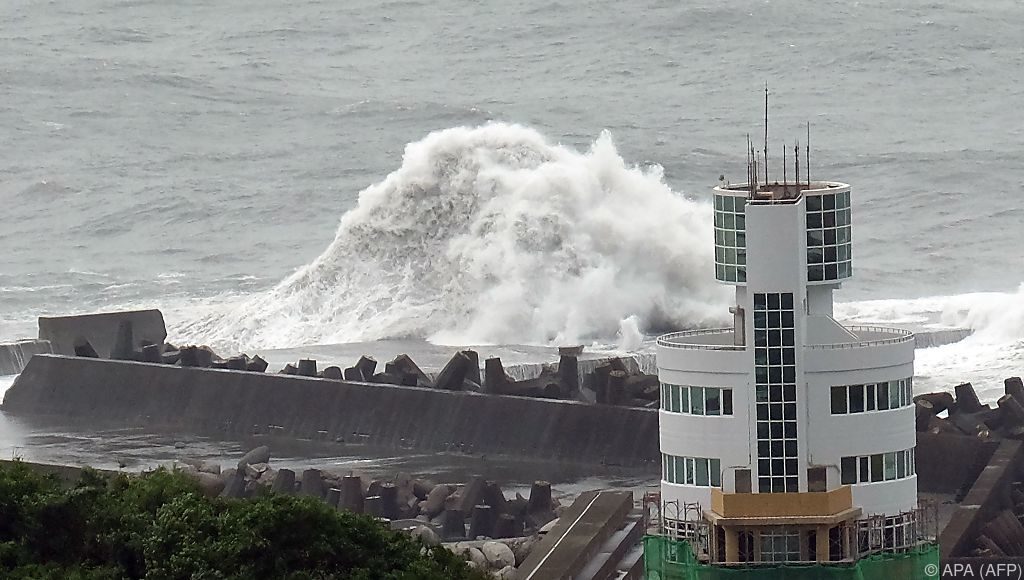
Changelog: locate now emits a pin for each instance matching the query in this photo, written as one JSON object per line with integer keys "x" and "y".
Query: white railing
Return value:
{"x": 895, "y": 336}
{"x": 677, "y": 340}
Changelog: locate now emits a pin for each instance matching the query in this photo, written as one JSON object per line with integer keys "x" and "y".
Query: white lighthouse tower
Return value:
{"x": 788, "y": 437}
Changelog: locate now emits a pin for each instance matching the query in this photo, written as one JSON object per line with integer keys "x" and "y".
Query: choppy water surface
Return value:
{"x": 274, "y": 174}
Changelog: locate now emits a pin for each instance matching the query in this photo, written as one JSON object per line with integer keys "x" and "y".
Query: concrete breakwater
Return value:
{"x": 236, "y": 403}
{"x": 14, "y": 356}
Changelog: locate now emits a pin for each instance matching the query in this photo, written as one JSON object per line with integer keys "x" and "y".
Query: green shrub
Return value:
{"x": 159, "y": 526}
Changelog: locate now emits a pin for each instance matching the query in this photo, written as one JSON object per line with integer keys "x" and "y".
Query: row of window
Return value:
{"x": 696, "y": 400}
{"x": 829, "y": 248}
{"x": 730, "y": 238}
{"x": 829, "y": 271}
{"x": 828, "y": 202}
{"x": 775, "y": 378}
{"x": 780, "y": 546}
{"x": 877, "y": 467}
{"x": 698, "y": 471}
{"x": 872, "y": 397}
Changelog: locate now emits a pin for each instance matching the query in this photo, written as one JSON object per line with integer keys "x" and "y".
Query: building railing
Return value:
{"x": 677, "y": 340}
{"x": 895, "y": 336}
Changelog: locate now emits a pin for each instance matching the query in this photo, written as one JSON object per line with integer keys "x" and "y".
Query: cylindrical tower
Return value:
{"x": 787, "y": 416}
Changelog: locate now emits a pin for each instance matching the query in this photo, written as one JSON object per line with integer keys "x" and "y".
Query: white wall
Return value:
{"x": 886, "y": 497}
{"x": 776, "y": 248}
{"x": 671, "y": 492}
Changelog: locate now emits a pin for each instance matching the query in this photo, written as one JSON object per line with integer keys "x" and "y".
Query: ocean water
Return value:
{"x": 274, "y": 174}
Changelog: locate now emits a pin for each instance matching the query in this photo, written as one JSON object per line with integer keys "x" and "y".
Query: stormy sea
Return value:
{"x": 275, "y": 175}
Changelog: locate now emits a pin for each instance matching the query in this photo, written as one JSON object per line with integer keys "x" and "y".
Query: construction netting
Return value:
{"x": 668, "y": 559}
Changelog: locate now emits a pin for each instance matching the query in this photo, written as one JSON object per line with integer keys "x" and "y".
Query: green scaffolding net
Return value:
{"x": 668, "y": 559}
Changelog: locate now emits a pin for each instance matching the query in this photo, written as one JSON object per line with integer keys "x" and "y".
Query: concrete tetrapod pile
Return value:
{"x": 475, "y": 519}
{"x": 965, "y": 414}
{"x": 140, "y": 336}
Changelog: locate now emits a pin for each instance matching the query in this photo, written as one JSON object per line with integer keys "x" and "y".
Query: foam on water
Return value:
{"x": 492, "y": 234}
{"x": 993, "y": 352}
{"x": 5, "y": 383}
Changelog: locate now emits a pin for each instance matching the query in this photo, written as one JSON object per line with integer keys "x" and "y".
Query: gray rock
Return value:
{"x": 498, "y": 555}
{"x": 426, "y": 535}
{"x": 260, "y": 454}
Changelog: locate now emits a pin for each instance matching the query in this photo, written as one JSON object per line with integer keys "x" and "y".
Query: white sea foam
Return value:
{"x": 494, "y": 235}
{"x": 5, "y": 383}
{"x": 993, "y": 352}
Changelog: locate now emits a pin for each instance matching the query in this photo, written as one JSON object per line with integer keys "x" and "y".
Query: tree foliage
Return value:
{"x": 159, "y": 526}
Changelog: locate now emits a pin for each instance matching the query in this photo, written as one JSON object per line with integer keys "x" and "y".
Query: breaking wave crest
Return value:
{"x": 491, "y": 235}
{"x": 994, "y": 351}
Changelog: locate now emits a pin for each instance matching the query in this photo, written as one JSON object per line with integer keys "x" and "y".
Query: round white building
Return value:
{"x": 788, "y": 430}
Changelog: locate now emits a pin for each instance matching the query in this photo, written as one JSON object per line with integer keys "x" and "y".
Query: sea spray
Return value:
{"x": 492, "y": 234}
{"x": 994, "y": 351}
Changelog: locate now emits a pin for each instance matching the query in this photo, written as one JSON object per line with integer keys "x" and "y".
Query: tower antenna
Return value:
{"x": 766, "y": 182}
{"x": 785, "y": 188}
{"x": 808, "y": 155}
{"x": 796, "y": 161}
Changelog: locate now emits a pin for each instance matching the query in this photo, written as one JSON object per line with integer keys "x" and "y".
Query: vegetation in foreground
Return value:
{"x": 159, "y": 526}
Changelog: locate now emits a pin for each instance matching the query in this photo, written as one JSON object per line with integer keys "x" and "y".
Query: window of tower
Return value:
{"x": 828, "y": 237}
{"x": 870, "y": 397}
{"x": 696, "y": 471}
{"x": 730, "y": 239}
{"x": 691, "y": 400}
{"x": 780, "y": 546}
{"x": 775, "y": 393}
{"x": 888, "y": 466}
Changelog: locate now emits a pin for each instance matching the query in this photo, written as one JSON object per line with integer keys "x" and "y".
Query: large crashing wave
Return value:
{"x": 494, "y": 235}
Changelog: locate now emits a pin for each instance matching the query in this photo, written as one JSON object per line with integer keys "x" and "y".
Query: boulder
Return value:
{"x": 151, "y": 354}
{"x": 496, "y": 381}
{"x": 256, "y": 470}
{"x": 14, "y": 356}
{"x": 481, "y": 522}
{"x": 506, "y": 573}
{"x": 234, "y": 486}
{"x": 477, "y": 557}
{"x": 257, "y": 365}
{"x": 427, "y": 535}
{"x": 101, "y": 330}
{"x": 84, "y": 348}
{"x": 312, "y": 483}
{"x": 366, "y": 367}
{"x": 540, "y": 497}
{"x": 352, "y": 494}
{"x": 454, "y": 373}
{"x": 498, "y": 555}
{"x": 434, "y": 504}
{"x": 406, "y": 366}
{"x": 211, "y": 485}
{"x": 307, "y": 367}
{"x": 259, "y": 454}
{"x": 209, "y": 467}
{"x": 284, "y": 481}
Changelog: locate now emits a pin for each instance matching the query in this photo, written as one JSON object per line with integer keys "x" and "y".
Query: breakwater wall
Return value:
{"x": 233, "y": 403}
{"x": 14, "y": 356}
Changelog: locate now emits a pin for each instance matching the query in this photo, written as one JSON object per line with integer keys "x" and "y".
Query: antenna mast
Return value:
{"x": 796, "y": 161}
{"x": 766, "y": 182}
{"x": 785, "y": 189}
{"x": 808, "y": 155}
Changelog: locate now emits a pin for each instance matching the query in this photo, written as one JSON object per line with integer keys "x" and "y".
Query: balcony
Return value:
{"x": 870, "y": 336}
{"x": 692, "y": 352}
{"x": 704, "y": 339}
{"x": 824, "y": 507}
{"x": 871, "y": 347}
